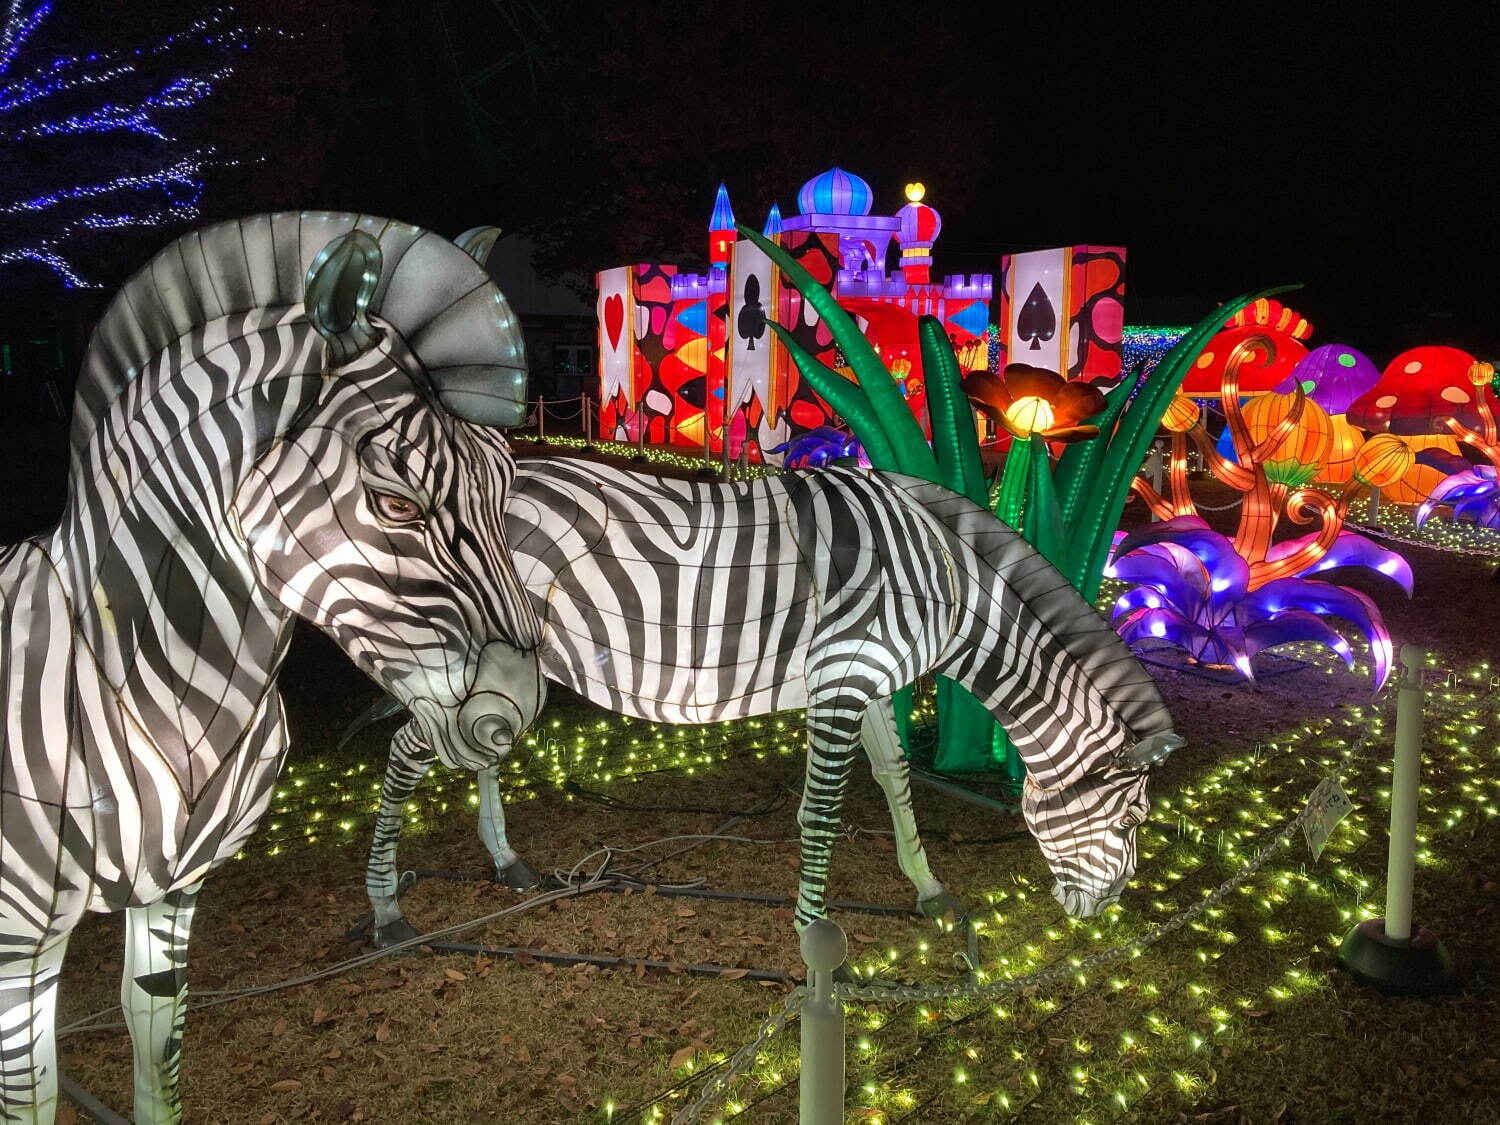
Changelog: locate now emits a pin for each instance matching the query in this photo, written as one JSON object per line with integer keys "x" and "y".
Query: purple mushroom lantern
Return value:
{"x": 1333, "y": 376}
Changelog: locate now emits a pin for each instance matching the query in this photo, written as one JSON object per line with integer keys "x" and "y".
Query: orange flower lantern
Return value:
{"x": 1181, "y": 415}
{"x": 1383, "y": 460}
{"x": 1338, "y": 465}
{"x": 1302, "y": 452}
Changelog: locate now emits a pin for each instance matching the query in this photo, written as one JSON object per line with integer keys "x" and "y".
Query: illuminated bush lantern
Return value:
{"x": 260, "y": 385}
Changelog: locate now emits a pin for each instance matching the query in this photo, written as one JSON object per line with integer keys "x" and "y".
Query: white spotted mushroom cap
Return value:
{"x": 1417, "y": 390}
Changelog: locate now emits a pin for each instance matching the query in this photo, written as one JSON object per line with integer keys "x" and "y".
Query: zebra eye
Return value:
{"x": 395, "y": 509}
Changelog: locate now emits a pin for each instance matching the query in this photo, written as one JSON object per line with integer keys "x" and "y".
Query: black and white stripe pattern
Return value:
{"x": 224, "y": 479}
{"x": 690, "y": 602}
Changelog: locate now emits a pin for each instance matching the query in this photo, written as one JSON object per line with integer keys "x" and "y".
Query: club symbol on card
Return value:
{"x": 1038, "y": 319}
{"x": 752, "y": 322}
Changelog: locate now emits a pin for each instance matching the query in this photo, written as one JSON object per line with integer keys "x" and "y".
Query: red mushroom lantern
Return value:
{"x": 1257, "y": 377}
{"x": 1416, "y": 392}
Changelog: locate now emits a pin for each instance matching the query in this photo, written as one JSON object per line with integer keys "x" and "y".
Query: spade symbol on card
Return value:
{"x": 1038, "y": 319}
{"x": 752, "y": 322}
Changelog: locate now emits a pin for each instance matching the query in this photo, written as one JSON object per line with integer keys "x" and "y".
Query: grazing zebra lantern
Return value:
{"x": 690, "y": 603}
{"x": 283, "y": 416}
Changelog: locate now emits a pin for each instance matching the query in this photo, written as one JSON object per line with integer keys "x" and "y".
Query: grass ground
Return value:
{"x": 1242, "y": 1016}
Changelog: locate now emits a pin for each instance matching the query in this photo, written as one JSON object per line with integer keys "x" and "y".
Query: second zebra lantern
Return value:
{"x": 687, "y": 602}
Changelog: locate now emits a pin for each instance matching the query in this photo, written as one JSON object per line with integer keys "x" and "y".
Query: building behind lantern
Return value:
{"x": 682, "y": 353}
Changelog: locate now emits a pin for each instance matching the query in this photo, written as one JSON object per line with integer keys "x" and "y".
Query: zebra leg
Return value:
{"x": 28, "y": 1027}
{"x": 888, "y": 764}
{"x": 510, "y": 869}
{"x": 409, "y": 761}
{"x": 154, "y": 996}
{"x": 832, "y": 737}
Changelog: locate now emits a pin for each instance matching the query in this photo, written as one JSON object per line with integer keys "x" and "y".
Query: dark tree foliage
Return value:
{"x": 253, "y": 135}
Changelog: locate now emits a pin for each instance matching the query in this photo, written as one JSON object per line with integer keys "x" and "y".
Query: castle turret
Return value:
{"x": 920, "y": 225}
{"x": 721, "y": 236}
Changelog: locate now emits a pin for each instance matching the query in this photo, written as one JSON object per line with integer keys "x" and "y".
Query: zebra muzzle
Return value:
{"x": 490, "y": 721}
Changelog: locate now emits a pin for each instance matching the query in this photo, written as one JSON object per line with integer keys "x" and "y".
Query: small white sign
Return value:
{"x": 1328, "y": 805}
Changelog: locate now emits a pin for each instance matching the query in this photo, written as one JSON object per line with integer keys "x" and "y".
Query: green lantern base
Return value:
{"x": 1419, "y": 966}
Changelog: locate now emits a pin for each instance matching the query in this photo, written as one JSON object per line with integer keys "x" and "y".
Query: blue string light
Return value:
{"x": 169, "y": 193}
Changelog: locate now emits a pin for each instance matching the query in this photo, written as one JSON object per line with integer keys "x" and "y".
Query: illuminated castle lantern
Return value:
{"x": 686, "y": 358}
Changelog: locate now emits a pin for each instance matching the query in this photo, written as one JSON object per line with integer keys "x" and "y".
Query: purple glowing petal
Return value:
{"x": 1481, "y": 510}
{"x": 1476, "y": 483}
{"x": 1229, "y": 574}
{"x": 1139, "y": 597}
{"x": 1161, "y": 625}
{"x": 1179, "y": 578}
{"x": 1294, "y": 625}
{"x": 1350, "y": 549}
{"x": 1323, "y": 599}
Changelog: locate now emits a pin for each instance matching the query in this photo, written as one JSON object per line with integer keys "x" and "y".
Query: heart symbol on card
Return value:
{"x": 614, "y": 319}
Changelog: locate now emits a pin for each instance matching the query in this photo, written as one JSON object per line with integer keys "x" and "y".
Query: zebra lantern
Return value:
{"x": 692, "y": 602}
{"x": 283, "y": 416}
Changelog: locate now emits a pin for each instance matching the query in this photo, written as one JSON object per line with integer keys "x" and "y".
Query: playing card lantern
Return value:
{"x": 1419, "y": 390}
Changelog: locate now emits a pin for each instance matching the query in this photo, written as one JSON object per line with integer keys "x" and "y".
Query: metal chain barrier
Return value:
{"x": 1235, "y": 503}
{"x": 741, "y": 1061}
{"x": 976, "y": 989}
{"x": 1392, "y": 537}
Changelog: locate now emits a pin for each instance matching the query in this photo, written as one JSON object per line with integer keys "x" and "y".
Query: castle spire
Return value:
{"x": 773, "y": 221}
{"x": 723, "y": 216}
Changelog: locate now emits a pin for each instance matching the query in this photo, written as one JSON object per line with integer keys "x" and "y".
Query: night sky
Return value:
{"x": 1228, "y": 146}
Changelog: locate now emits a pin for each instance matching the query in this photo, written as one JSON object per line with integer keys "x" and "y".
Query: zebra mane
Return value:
{"x": 436, "y": 296}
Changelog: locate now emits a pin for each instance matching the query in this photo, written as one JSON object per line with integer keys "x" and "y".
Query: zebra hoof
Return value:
{"x": 518, "y": 875}
{"x": 945, "y": 908}
{"x": 394, "y": 933}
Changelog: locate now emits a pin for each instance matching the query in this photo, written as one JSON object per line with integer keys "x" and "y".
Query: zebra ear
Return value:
{"x": 477, "y": 242}
{"x": 340, "y": 283}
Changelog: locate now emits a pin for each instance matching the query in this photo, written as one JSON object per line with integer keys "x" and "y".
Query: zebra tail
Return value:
{"x": 382, "y": 708}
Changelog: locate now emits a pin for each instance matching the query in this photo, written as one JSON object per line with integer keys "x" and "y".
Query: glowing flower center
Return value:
{"x": 1030, "y": 414}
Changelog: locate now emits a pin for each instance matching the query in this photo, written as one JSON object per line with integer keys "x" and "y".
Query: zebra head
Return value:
{"x": 1086, "y": 827}
{"x": 376, "y": 514}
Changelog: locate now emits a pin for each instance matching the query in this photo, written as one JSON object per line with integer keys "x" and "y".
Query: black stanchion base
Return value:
{"x": 540, "y": 441}
{"x": 703, "y": 472}
{"x": 1420, "y": 966}
{"x": 590, "y": 449}
{"x": 640, "y": 459}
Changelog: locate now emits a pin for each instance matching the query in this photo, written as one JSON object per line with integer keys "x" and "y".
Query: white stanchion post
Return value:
{"x": 824, "y": 948}
{"x": 1401, "y": 864}
{"x": 1390, "y": 953}
{"x": 1374, "y": 509}
{"x": 541, "y": 420}
{"x": 584, "y": 408}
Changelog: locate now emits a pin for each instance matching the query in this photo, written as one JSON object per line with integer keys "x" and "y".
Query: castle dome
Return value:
{"x": 835, "y": 192}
